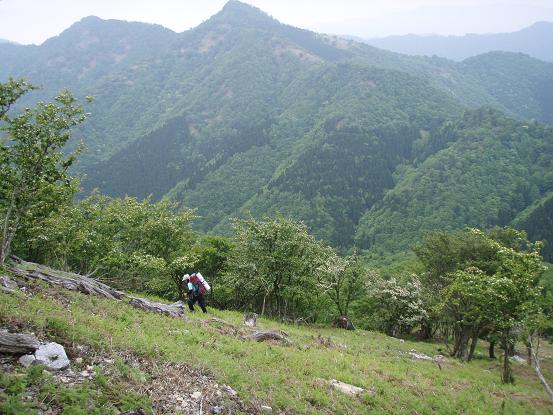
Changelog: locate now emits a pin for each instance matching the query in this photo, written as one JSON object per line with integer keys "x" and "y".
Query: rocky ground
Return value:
{"x": 172, "y": 388}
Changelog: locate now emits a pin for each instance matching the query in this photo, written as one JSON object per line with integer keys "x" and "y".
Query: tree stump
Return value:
{"x": 343, "y": 322}
{"x": 250, "y": 319}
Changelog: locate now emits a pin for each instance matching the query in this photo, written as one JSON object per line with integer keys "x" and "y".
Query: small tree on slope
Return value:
{"x": 33, "y": 170}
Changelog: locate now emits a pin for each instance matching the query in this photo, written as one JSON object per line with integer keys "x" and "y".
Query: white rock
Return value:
{"x": 419, "y": 356}
{"x": 196, "y": 395}
{"x": 346, "y": 387}
{"x": 52, "y": 355}
{"x": 27, "y": 360}
{"x": 266, "y": 409}
{"x": 79, "y": 360}
{"x": 231, "y": 391}
{"x": 518, "y": 359}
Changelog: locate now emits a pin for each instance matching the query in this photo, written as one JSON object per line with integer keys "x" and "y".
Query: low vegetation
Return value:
{"x": 290, "y": 378}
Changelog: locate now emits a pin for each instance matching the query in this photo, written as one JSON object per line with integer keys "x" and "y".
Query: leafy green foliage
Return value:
{"x": 135, "y": 245}
{"x": 274, "y": 265}
{"x": 33, "y": 170}
{"x": 479, "y": 282}
{"x": 394, "y": 306}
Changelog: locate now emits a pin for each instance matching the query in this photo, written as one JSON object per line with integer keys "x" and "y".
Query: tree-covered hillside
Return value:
{"x": 243, "y": 115}
{"x": 537, "y": 220}
{"x": 483, "y": 170}
{"x": 524, "y": 85}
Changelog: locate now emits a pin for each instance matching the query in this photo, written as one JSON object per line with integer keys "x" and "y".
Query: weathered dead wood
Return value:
{"x": 7, "y": 285}
{"x": 14, "y": 343}
{"x": 536, "y": 364}
{"x": 89, "y": 286}
{"x": 173, "y": 310}
{"x": 223, "y": 323}
{"x": 74, "y": 283}
{"x": 262, "y": 335}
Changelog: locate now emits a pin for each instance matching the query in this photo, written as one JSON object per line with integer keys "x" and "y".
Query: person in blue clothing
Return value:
{"x": 195, "y": 292}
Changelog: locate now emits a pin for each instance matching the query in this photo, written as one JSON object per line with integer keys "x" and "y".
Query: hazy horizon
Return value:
{"x": 34, "y": 21}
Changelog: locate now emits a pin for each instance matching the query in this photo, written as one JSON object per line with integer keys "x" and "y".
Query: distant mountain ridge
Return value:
{"x": 243, "y": 115}
{"x": 535, "y": 41}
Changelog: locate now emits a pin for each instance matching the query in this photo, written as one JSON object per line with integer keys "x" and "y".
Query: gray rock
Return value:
{"x": 346, "y": 387}
{"x": 518, "y": 359}
{"x": 419, "y": 356}
{"x": 13, "y": 343}
{"x": 217, "y": 410}
{"x": 52, "y": 355}
{"x": 7, "y": 285}
{"x": 27, "y": 360}
{"x": 250, "y": 319}
{"x": 266, "y": 409}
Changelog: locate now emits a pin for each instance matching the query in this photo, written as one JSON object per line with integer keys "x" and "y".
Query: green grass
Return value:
{"x": 97, "y": 397}
{"x": 288, "y": 378}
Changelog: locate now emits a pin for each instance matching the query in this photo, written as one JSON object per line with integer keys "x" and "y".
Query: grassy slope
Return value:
{"x": 287, "y": 377}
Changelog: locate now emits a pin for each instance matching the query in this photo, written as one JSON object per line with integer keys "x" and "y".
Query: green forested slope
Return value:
{"x": 537, "y": 220}
{"x": 524, "y": 85}
{"x": 244, "y": 115}
{"x": 493, "y": 169}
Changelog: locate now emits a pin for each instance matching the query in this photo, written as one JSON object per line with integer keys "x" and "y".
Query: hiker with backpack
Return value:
{"x": 197, "y": 287}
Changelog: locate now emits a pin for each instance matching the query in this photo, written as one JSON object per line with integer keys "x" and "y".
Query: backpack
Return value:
{"x": 194, "y": 279}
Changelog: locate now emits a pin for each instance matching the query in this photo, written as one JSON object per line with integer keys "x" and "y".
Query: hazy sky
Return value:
{"x": 33, "y": 21}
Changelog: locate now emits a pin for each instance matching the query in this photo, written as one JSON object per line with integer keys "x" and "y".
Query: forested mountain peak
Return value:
{"x": 243, "y": 12}
{"x": 237, "y": 16}
{"x": 244, "y": 115}
{"x": 96, "y": 34}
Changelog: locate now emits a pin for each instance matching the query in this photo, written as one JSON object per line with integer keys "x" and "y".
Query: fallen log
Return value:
{"x": 89, "y": 286}
{"x": 74, "y": 283}
{"x": 14, "y": 343}
{"x": 223, "y": 323}
{"x": 262, "y": 335}
{"x": 172, "y": 310}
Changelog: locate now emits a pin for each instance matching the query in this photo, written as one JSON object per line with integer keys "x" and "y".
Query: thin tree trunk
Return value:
{"x": 491, "y": 350}
{"x": 536, "y": 363}
{"x": 506, "y": 372}
{"x": 462, "y": 344}
{"x": 7, "y": 242}
{"x": 475, "y": 335}
{"x": 263, "y": 306}
{"x": 5, "y": 247}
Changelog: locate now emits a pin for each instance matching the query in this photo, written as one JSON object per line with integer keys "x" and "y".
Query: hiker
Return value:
{"x": 197, "y": 287}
